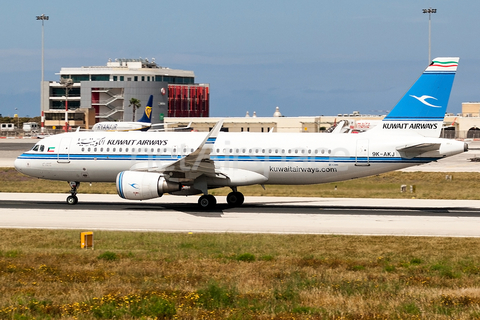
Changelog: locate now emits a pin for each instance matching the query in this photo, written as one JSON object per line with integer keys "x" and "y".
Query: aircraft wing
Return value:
{"x": 411, "y": 151}
{"x": 192, "y": 165}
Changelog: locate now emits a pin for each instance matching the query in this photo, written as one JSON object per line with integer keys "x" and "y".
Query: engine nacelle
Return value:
{"x": 138, "y": 185}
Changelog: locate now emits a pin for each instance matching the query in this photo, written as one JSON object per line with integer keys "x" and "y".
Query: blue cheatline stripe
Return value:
{"x": 120, "y": 184}
{"x": 239, "y": 158}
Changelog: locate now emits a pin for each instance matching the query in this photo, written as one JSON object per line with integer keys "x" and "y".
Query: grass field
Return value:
{"x": 428, "y": 185}
{"x": 45, "y": 275}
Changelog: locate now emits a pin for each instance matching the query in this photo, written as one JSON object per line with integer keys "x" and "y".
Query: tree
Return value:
{"x": 135, "y": 103}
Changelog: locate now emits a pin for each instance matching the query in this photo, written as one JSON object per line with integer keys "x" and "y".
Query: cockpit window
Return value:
{"x": 35, "y": 147}
{"x": 42, "y": 147}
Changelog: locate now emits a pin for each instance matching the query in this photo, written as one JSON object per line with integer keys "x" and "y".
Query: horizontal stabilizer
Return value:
{"x": 415, "y": 150}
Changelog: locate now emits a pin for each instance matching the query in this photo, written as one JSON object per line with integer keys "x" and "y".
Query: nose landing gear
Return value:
{"x": 72, "y": 199}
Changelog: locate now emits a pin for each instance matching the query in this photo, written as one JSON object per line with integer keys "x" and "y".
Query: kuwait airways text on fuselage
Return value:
{"x": 410, "y": 126}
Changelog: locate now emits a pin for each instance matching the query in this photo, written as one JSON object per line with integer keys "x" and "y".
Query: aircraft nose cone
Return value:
{"x": 18, "y": 164}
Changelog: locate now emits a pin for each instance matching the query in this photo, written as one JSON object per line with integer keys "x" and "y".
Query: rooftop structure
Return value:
{"x": 108, "y": 89}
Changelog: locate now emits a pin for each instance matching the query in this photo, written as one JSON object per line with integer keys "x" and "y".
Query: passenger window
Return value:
{"x": 114, "y": 149}
{"x": 101, "y": 149}
{"x": 108, "y": 149}
{"x": 119, "y": 149}
{"x": 95, "y": 149}
{"x": 152, "y": 150}
{"x": 126, "y": 149}
{"x": 83, "y": 149}
{"x": 88, "y": 149}
{"x": 329, "y": 151}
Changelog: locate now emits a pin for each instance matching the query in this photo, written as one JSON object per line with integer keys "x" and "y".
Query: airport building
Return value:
{"x": 102, "y": 93}
{"x": 465, "y": 125}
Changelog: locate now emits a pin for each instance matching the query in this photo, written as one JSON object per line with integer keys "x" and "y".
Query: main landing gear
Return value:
{"x": 234, "y": 199}
{"x": 72, "y": 199}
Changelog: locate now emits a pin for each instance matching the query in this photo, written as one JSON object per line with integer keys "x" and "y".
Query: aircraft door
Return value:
{"x": 362, "y": 153}
{"x": 64, "y": 151}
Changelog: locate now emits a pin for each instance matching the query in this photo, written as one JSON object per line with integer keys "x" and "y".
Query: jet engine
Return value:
{"x": 138, "y": 185}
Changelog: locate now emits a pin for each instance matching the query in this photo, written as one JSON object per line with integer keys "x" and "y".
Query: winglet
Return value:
{"x": 212, "y": 136}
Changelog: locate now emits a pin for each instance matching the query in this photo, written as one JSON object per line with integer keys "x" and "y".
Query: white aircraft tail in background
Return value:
{"x": 146, "y": 165}
{"x": 142, "y": 124}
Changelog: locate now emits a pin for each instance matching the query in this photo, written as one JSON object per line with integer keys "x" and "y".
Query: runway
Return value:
{"x": 401, "y": 217}
{"x": 458, "y": 218}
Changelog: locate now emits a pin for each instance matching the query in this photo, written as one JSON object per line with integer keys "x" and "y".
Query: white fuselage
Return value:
{"x": 282, "y": 158}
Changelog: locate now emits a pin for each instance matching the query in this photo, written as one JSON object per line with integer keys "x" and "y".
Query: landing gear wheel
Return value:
{"x": 235, "y": 199}
{"x": 72, "y": 200}
{"x": 207, "y": 201}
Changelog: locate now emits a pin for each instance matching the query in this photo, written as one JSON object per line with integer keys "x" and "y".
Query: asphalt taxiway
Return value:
{"x": 401, "y": 217}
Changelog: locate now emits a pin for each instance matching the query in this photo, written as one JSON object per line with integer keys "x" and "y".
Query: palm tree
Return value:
{"x": 135, "y": 103}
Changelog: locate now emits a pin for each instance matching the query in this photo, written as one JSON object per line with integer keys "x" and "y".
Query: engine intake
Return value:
{"x": 137, "y": 185}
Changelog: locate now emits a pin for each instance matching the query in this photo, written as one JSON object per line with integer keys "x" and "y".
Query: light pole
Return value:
{"x": 67, "y": 83}
{"x": 429, "y": 11}
{"x": 43, "y": 17}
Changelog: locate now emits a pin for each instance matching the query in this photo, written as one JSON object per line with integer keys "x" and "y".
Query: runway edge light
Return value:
{"x": 86, "y": 239}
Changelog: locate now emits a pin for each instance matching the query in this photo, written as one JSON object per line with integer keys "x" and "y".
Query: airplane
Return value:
{"x": 142, "y": 124}
{"x": 145, "y": 165}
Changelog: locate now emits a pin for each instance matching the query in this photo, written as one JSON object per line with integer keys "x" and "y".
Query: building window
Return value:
{"x": 129, "y": 79}
{"x": 78, "y": 78}
{"x": 135, "y": 78}
{"x": 115, "y": 78}
{"x": 100, "y": 77}
{"x": 122, "y": 78}
{"x": 143, "y": 78}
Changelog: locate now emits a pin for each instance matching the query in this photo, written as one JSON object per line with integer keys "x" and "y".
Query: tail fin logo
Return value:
{"x": 423, "y": 99}
{"x": 148, "y": 111}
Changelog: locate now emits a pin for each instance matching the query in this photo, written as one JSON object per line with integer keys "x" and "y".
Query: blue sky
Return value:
{"x": 307, "y": 57}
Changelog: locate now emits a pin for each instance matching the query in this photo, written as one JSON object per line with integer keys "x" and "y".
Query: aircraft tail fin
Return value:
{"x": 147, "y": 114}
{"x": 422, "y": 108}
